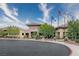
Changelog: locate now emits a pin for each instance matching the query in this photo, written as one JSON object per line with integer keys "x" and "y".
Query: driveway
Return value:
{"x": 32, "y": 48}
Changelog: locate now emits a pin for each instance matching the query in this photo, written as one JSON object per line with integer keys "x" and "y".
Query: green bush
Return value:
{"x": 47, "y": 31}
{"x": 13, "y": 30}
{"x": 10, "y": 31}
{"x": 38, "y": 37}
{"x": 34, "y": 34}
{"x": 73, "y": 30}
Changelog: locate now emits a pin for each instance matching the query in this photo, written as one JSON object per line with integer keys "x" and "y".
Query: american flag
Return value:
{"x": 59, "y": 13}
{"x": 52, "y": 18}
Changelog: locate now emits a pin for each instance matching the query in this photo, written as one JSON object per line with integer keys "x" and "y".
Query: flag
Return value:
{"x": 59, "y": 13}
{"x": 52, "y": 18}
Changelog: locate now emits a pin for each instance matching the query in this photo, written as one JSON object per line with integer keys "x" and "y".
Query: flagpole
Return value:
{"x": 58, "y": 18}
{"x": 52, "y": 19}
{"x": 58, "y": 21}
{"x": 64, "y": 25}
{"x": 59, "y": 14}
{"x": 51, "y": 22}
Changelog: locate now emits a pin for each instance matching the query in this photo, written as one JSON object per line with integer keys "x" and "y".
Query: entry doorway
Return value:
{"x": 58, "y": 35}
{"x": 33, "y": 34}
{"x": 26, "y": 35}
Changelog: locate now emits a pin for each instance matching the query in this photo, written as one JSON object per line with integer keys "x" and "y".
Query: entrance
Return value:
{"x": 33, "y": 34}
{"x": 58, "y": 35}
{"x": 26, "y": 35}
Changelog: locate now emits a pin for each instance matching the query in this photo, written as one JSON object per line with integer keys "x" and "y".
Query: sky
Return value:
{"x": 20, "y": 14}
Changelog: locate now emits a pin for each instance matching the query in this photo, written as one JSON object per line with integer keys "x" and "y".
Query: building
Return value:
{"x": 33, "y": 28}
{"x": 61, "y": 31}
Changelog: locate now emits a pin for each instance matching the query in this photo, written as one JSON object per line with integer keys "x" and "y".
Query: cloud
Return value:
{"x": 10, "y": 18}
{"x": 72, "y": 12}
{"x": 61, "y": 22}
{"x": 8, "y": 12}
{"x": 31, "y": 21}
{"x": 73, "y": 9}
{"x": 5, "y": 22}
{"x": 27, "y": 21}
{"x": 15, "y": 12}
{"x": 46, "y": 16}
{"x": 46, "y": 12}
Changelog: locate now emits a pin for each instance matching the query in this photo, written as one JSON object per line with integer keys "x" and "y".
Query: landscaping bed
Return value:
{"x": 72, "y": 42}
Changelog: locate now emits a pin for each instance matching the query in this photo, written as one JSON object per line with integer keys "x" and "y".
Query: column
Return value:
{"x": 29, "y": 34}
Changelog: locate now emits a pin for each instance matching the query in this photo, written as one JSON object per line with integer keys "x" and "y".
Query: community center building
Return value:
{"x": 33, "y": 28}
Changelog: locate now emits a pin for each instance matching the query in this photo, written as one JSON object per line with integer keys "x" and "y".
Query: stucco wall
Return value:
{"x": 35, "y": 29}
{"x": 20, "y": 34}
{"x": 31, "y": 29}
{"x": 61, "y": 31}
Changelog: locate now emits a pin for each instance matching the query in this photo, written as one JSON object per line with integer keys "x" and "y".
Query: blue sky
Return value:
{"x": 25, "y": 11}
{"x": 32, "y": 11}
{"x": 19, "y": 14}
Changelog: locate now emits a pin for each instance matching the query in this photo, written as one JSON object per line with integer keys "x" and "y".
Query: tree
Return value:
{"x": 9, "y": 31}
{"x": 47, "y": 31}
{"x": 13, "y": 30}
{"x": 73, "y": 30}
{"x": 3, "y": 33}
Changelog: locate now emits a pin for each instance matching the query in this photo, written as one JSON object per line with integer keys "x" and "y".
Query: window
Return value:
{"x": 58, "y": 35}
{"x": 22, "y": 33}
{"x": 27, "y": 33}
{"x": 64, "y": 34}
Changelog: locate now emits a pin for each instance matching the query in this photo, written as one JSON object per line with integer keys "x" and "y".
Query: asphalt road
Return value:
{"x": 32, "y": 48}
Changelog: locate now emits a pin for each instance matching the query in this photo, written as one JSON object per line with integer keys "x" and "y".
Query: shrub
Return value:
{"x": 38, "y": 37}
{"x": 47, "y": 31}
{"x": 73, "y": 30}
